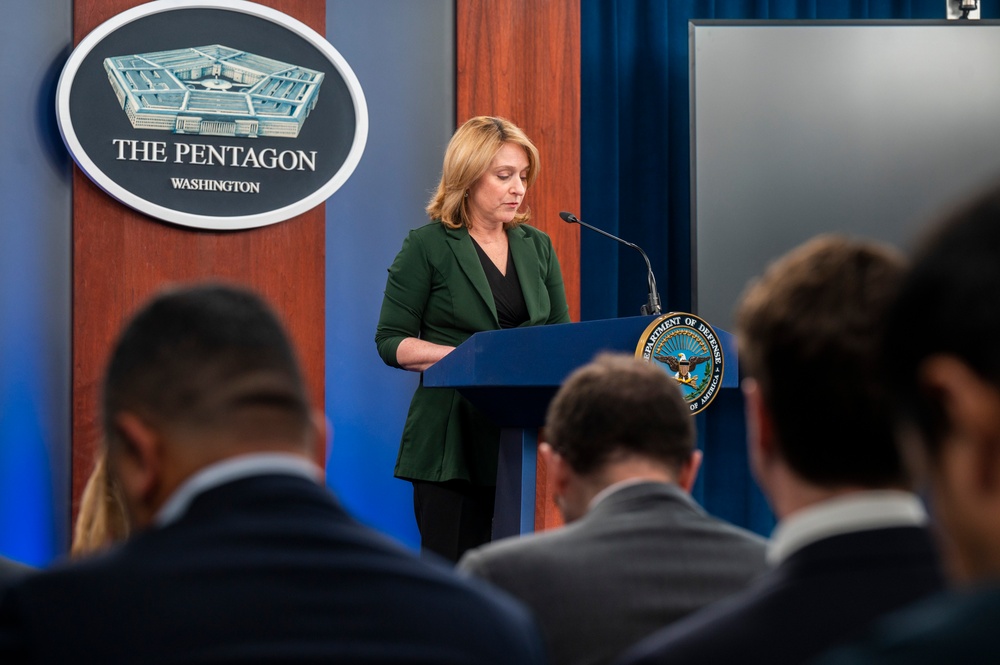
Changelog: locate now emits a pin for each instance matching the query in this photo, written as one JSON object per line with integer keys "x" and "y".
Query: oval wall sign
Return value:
{"x": 215, "y": 114}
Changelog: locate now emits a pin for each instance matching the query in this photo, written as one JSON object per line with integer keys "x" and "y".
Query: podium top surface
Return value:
{"x": 534, "y": 355}
{"x": 545, "y": 355}
{"x": 513, "y": 374}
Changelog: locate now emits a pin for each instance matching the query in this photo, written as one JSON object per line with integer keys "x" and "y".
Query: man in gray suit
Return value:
{"x": 637, "y": 552}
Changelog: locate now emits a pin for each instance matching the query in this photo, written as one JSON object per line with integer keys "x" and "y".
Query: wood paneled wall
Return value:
{"x": 521, "y": 59}
{"x": 121, "y": 256}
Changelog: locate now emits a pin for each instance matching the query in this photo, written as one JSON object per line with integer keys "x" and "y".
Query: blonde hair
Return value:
{"x": 101, "y": 521}
{"x": 469, "y": 153}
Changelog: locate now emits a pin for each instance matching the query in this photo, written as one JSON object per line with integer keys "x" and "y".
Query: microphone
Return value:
{"x": 652, "y": 305}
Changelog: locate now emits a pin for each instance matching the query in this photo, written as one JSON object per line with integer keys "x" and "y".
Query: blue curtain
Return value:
{"x": 635, "y": 181}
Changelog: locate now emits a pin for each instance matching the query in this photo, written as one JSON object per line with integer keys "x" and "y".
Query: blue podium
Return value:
{"x": 512, "y": 375}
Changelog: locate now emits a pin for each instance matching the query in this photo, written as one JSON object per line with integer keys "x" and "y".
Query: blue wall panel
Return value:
{"x": 403, "y": 54}
{"x": 34, "y": 284}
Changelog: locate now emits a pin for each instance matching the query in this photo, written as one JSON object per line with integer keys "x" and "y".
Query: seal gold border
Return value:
{"x": 694, "y": 333}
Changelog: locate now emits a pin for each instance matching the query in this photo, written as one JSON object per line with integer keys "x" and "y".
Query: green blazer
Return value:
{"x": 437, "y": 291}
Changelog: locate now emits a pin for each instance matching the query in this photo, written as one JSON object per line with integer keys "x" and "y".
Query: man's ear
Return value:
{"x": 971, "y": 408}
{"x": 760, "y": 427}
{"x": 320, "y": 438}
{"x": 556, "y": 468}
{"x": 688, "y": 473}
{"x": 139, "y": 464}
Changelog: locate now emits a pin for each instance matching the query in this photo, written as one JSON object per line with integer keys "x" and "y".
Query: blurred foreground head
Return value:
{"x": 200, "y": 374}
{"x": 809, "y": 332}
{"x": 943, "y": 359}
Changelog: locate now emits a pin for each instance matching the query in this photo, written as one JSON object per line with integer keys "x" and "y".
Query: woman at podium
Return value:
{"x": 477, "y": 266}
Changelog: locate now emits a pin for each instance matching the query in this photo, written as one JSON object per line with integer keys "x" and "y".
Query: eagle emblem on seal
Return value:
{"x": 681, "y": 366}
{"x": 679, "y": 343}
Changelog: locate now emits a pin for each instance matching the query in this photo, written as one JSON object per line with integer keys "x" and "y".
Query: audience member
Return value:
{"x": 239, "y": 554}
{"x": 638, "y": 552}
{"x": 851, "y": 543}
{"x": 101, "y": 520}
{"x": 945, "y": 374}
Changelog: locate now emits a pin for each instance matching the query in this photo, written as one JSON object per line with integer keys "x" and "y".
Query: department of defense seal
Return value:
{"x": 688, "y": 349}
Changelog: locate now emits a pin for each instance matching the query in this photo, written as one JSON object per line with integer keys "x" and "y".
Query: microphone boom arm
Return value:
{"x": 652, "y": 306}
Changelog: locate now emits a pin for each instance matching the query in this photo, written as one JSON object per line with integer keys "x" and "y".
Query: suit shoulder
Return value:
{"x": 511, "y": 556}
{"x": 432, "y": 234}
{"x": 948, "y": 627}
{"x": 724, "y": 631}
{"x": 739, "y": 534}
{"x": 433, "y": 229}
{"x": 425, "y": 243}
{"x": 534, "y": 234}
{"x": 682, "y": 511}
{"x": 11, "y": 570}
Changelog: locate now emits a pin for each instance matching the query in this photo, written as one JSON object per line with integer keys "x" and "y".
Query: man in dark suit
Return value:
{"x": 638, "y": 552}
{"x": 240, "y": 555}
{"x": 944, "y": 364}
{"x": 851, "y": 542}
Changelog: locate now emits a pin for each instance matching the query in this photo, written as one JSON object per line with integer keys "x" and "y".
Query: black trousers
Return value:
{"x": 452, "y": 516}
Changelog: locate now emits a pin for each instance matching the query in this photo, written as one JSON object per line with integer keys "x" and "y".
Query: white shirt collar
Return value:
{"x": 857, "y": 511}
{"x": 226, "y": 471}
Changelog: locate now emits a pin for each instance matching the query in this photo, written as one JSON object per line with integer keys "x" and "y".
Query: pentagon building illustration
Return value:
{"x": 215, "y": 91}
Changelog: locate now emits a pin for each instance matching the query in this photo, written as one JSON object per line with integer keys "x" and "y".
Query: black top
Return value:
{"x": 511, "y": 310}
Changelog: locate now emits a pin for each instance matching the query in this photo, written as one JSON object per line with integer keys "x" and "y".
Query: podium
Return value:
{"x": 511, "y": 375}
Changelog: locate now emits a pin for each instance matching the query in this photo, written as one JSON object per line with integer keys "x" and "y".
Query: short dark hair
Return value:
{"x": 809, "y": 332}
{"x": 200, "y": 355}
{"x": 947, "y": 305}
{"x": 619, "y": 405}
